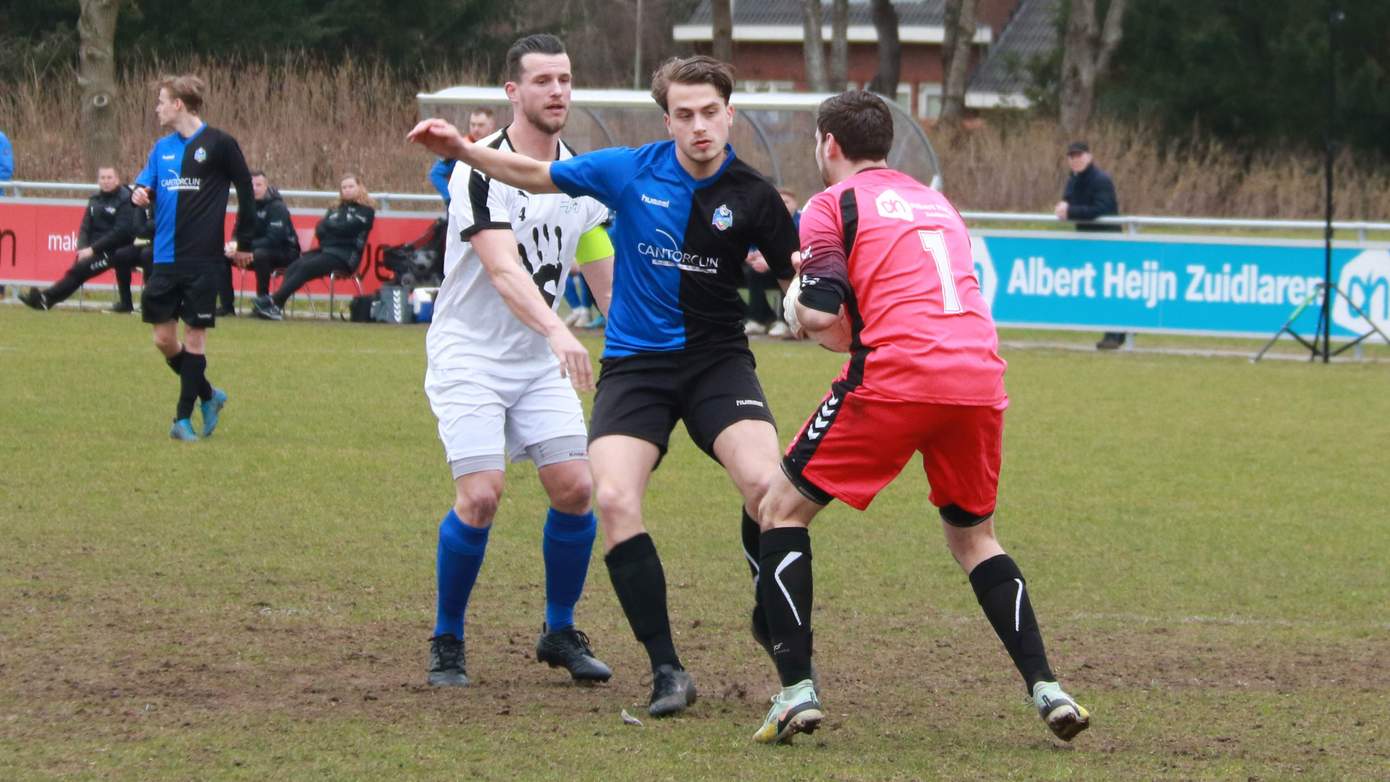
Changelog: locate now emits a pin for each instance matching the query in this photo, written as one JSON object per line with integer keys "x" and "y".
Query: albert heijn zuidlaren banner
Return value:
{"x": 38, "y": 242}
{"x": 1175, "y": 285}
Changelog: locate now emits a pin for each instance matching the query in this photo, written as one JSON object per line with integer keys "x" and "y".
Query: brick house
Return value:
{"x": 768, "y": 34}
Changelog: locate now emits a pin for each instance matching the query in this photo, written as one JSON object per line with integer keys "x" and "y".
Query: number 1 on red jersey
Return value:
{"x": 934, "y": 242}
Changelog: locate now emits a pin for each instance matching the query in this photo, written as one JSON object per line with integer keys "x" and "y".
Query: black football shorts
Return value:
{"x": 644, "y": 395}
{"x": 172, "y": 293}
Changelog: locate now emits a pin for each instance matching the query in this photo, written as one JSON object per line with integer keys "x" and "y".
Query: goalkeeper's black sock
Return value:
{"x": 999, "y": 587}
{"x": 786, "y": 586}
{"x": 640, "y": 583}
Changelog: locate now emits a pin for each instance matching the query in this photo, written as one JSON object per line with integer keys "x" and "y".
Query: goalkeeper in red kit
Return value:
{"x": 887, "y": 260}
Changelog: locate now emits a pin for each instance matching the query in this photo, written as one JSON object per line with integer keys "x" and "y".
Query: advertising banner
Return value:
{"x": 1043, "y": 279}
{"x": 1175, "y": 285}
{"x": 38, "y": 242}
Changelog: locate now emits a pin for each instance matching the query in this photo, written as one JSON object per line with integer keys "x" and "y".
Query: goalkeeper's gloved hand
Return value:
{"x": 789, "y": 307}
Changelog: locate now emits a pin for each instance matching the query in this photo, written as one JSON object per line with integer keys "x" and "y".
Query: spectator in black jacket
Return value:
{"x": 1089, "y": 194}
{"x": 276, "y": 244}
{"x": 342, "y": 234}
{"x": 107, "y": 225}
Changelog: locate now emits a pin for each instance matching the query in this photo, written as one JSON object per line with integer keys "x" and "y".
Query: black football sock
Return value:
{"x": 640, "y": 584}
{"x": 204, "y": 386}
{"x": 999, "y": 587}
{"x": 190, "y": 380}
{"x": 786, "y": 586}
{"x": 175, "y": 362}
{"x": 751, "y": 533}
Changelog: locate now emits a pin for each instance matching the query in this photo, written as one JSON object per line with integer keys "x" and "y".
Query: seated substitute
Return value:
{"x": 108, "y": 225}
{"x": 276, "y": 244}
{"x": 341, "y": 234}
{"x": 138, "y": 253}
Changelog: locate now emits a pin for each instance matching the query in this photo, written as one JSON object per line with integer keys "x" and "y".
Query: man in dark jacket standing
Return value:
{"x": 108, "y": 225}
{"x": 1089, "y": 194}
{"x": 276, "y": 244}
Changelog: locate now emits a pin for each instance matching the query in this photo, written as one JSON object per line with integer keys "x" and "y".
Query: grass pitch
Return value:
{"x": 1205, "y": 542}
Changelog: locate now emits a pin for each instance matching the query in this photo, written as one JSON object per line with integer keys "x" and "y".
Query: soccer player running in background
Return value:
{"x": 498, "y": 358}
{"x": 893, "y": 257}
{"x": 689, "y": 210}
{"x": 187, "y": 180}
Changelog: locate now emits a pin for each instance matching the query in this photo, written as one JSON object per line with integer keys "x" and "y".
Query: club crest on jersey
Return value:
{"x": 200, "y": 155}
{"x": 723, "y": 218}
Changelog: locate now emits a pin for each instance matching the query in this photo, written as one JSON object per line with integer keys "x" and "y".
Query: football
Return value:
{"x": 836, "y": 337}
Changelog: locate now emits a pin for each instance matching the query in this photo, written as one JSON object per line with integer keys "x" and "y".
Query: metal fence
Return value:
{"x": 386, "y": 202}
{"x": 1132, "y": 224}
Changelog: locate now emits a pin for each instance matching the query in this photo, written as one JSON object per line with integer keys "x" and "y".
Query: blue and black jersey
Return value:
{"x": 679, "y": 244}
{"x": 188, "y": 179}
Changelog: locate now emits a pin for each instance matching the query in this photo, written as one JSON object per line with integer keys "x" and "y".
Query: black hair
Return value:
{"x": 540, "y": 43}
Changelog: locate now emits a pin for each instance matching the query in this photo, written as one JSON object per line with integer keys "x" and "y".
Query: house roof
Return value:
{"x": 1001, "y": 80}
{"x": 910, "y": 12}
{"x": 1003, "y": 77}
{"x": 919, "y": 21}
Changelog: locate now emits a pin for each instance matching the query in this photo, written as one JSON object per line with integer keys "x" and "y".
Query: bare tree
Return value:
{"x": 1085, "y": 59}
{"x": 839, "y": 44}
{"x": 723, "y": 14}
{"x": 955, "y": 59}
{"x": 814, "y": 45}
{"x": 96, "y": 75}
{"x": 890, "y": 50}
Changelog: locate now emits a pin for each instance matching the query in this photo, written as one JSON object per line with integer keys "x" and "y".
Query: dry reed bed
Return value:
{"x": 307, "y": 123}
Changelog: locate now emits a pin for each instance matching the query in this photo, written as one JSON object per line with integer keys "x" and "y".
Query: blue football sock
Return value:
{"x": 567, "y": 544}
{"x": 461, "y": 550}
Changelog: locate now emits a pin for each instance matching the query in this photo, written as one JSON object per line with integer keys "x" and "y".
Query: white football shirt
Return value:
{"x": 472, "y": 329}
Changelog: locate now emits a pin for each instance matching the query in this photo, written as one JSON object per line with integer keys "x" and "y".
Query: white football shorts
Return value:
{"x": 481, "y": 415}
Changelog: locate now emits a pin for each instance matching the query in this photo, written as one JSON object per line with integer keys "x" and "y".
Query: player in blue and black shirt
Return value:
{"x": 688, "y": 212}
{"x": 187, "y": 179}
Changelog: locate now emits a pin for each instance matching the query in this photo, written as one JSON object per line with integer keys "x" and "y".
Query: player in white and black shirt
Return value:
{"x": 498, "y": 362}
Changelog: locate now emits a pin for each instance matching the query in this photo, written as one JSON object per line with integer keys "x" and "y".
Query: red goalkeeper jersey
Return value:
{"x": 898, "y": 254}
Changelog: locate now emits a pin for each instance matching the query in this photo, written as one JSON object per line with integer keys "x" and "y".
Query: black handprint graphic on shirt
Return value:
{"x": 545, "y": 271}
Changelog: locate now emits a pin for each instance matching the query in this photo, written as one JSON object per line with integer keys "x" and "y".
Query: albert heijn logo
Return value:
{"x": 892, "y": 206}
{"x": 1365, "y": 284}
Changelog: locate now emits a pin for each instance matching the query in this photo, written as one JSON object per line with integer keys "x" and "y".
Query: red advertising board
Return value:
{"x": 38, "y": 242}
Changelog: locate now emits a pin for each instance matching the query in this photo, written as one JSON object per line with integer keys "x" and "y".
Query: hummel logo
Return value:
{"x": 742, "y": 402}
{"x": 664, "y": 204}
{"x": 166, "y": 157}
{"x": 822, "y": 419}
{"x": 205, "y": 314}
{"x": 828, "y": 408}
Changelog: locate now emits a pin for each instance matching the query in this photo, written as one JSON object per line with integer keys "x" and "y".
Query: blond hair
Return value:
{"x": 187, "y": 88}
